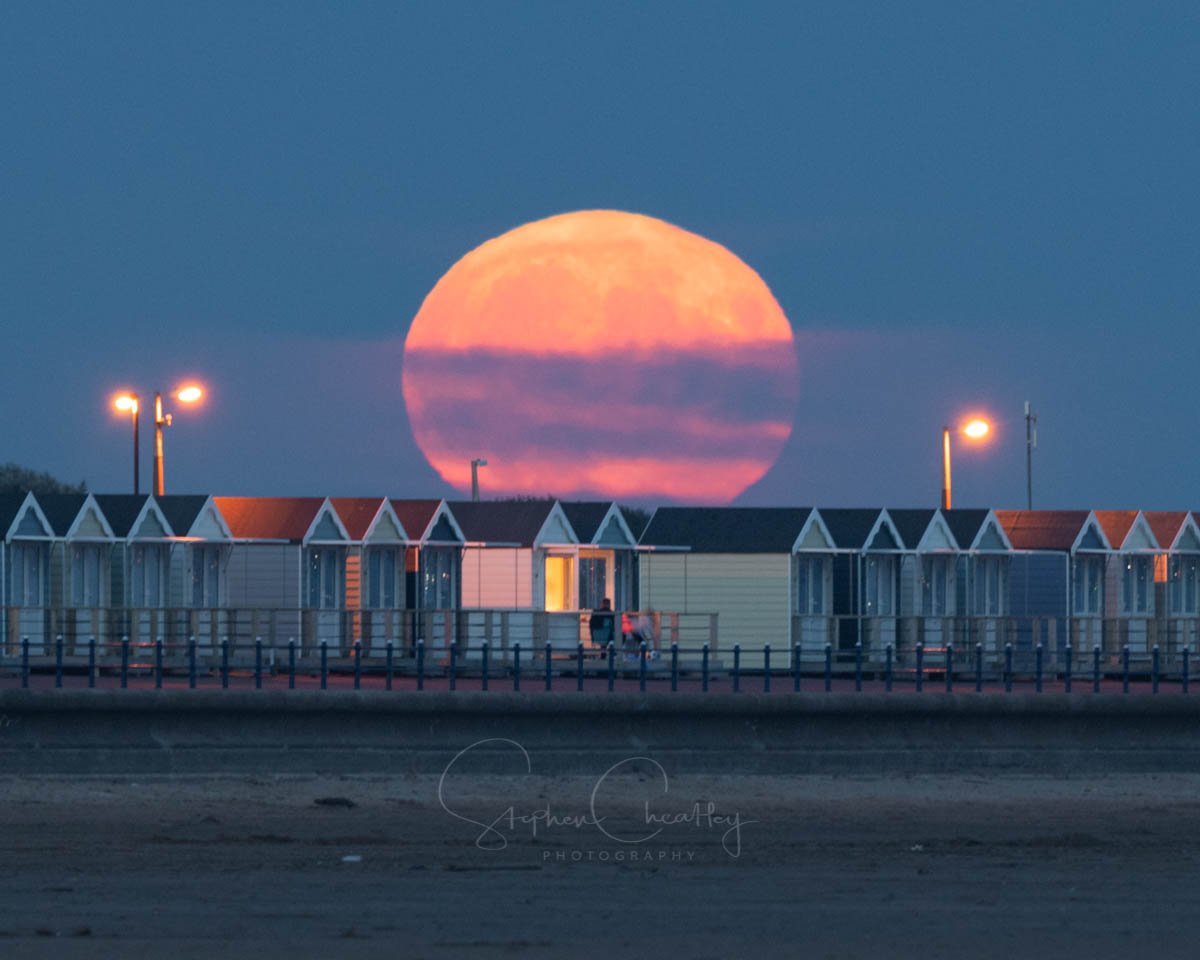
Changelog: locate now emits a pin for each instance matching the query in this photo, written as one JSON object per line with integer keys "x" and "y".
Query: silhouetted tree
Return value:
{"x": 17, "y": 479}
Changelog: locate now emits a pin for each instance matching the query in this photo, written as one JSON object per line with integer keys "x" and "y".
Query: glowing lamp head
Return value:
{"x": 125, "y": 403}
{"x": 189, "y": 394}
{"x": 976, "y": 429}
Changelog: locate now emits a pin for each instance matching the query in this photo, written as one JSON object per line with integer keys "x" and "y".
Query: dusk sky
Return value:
{"x": 958, "y": 206}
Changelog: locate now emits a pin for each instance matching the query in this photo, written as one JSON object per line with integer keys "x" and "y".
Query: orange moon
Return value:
{"x": 602, "y": 353}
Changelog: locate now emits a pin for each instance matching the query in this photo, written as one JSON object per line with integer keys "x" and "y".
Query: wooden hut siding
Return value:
{"x": 663, "y": 583}
{"x": 353, "y": 585}
{"x": 263, "y": 576}
{"x": 497, "y": 578}
{"x": 1038, "y": 585}
{"x": 910, "y": 585}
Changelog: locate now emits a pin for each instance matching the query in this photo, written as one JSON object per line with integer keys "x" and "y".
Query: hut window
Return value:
{"x": 1088, "y": 577}
{"x": 28, "y": 576}
{"x": 593, "y": 582}
{"x": 381, "y": 578}
{"x": 148, "y": 575}
{"x": 324, "y": 578}
{"x": 935, "y": 582}
{"x": 810, "y": 585}
{"x": 86, "y": 564}
{"x": 991, "y": 585}
{"x": 1183, "y": 576}
{"x": 558, "y": 583}
{"x": 437, "y": 578}
{"x": 1135, "y": 584}
{"x": 206, "y": 576}
{"x": 881, "y": 586}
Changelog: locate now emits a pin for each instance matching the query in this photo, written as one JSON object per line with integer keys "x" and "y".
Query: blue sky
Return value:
{"x": 956, "y": 205}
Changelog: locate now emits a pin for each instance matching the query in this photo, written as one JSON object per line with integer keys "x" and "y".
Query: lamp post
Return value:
{"x": 128, "y": 403}
{"x": 475, "y": 465}
{"x": 974, "y": 429}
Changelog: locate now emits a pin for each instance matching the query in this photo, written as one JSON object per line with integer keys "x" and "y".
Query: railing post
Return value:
{"x": 766, "y": 668}
{"x": 737, "y": 667}
{"x": 357, "y": 651}
{"x": 674, "y": 665}
{"x": 920, "y": 666}
{"x": 579, "y": 666}
{"x": 828, "y": 667}
{"x": 887, "y": 668}
{"x": 611, "y": 666}
{"x": 549, "y": 681}
{"x": 1068, "y": 652}
{"x": 124, "y": 662}
{"x": 158, "y": 664}
{"x": 1186, "y": 656}
{"x": 858, "y": 666}
{"x": 642, "y": 666}
{"x": 950, "y": 667}
{"x": 1008, "y": 667}
{"x": 1154, "y": 669}
{"x": 58, "y": 661}
{"x": 1125, "y": 669}
{"x": 24, "y": 663}
{"x": 389, "y": 655}
{"x": 978, "y": 667}
{"x": 91, "y": 662}
{"x": 517, "y": 665}
{"x": 224, "y": 664}
{"x": 421, "y": 664}
{"x": 258, "y": 663}
{"x": 704, "y": 668}
{"x": 324, "y": 664}
{"x": 191, "y": 663}
{"x": 795, "y": 668}
{"x": 1037, "y": 664}
{"x": 485, "y": 649}
{"x": 453, "y": 676}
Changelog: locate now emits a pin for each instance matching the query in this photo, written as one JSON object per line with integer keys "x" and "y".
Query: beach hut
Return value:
{"x": 140, "y": 565}
{"x": 928, "y": 601}
{"x": 24, "y": 570}
{"x": 728, "y": 569}
{"x": 375, "y": 581}
{"x": 982, "y": 570}
{"x": 286, "y": 571}
{"x": 866, "y": 577}
{"x": 198, "y": 570}
{"x": 814, "y": 557}
{"x": 1057, "y": 573}
{"x": 433, "y": 570}
{"x": 606, "y": 554}
{"x": 1178, "y": 569}
{"x": 1130, "y": 576}
{"x": 80, "y": 568}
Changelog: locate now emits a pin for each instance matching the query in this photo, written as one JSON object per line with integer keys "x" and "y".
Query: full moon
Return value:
{"x": 602, "y": 353}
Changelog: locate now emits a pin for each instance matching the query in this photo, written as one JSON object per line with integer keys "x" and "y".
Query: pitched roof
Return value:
{"x": 585, "y": 516}
{"x": 502, "y": 521}
{"x": 416, "y": 515}
{"x": 61, "y": 509}
{"x": 10, "y": 505}
{"x": 1116, "y": 524}
{"x": 849, "y": 527}
{"x": 911, "y": 525}
{"x": 964, "y": 524}
{"x": 269, "y": 518}
{"x": 357, "y": 513}
{"x": 1165, "y": 524}
{"x": 181, "y": 510}
{"x": 726, "y": 529}
{"x": 1042, "y": 529}
{"x": 121, "y": 510}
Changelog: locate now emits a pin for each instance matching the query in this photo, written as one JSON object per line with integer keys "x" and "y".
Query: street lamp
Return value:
{"x": 128, "y": 403}
{"x": 475, "y": 465}
{"x": 976, "y": 429}
{"x": 188, "y": 394}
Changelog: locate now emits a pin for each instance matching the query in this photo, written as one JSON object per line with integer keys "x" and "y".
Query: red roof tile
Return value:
{"x": 415, "y": 515}
{"x": 1165, "y": 524}
{"x": 269, "y": 518}
{"x": 1042, "y": 529}
{"x": 1116, "y": 524}
{"x": 357, "y": 513}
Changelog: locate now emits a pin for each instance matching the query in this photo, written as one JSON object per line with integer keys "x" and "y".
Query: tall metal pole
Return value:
{"x": 159, "y": 420}
{"x": 1030, "y": 443}
{"x": 945, "y": 468}
{"x": 475, "y": 465}
{"x": 136, "y": 456}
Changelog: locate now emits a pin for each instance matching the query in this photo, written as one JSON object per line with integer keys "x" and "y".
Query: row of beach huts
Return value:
{"x": 377, "y": 571}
